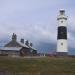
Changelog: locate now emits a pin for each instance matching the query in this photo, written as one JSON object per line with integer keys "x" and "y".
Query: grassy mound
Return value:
{"x": 39, "y": 66}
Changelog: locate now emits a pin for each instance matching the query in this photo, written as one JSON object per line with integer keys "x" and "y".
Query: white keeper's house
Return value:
{"x": 15, "y": 48}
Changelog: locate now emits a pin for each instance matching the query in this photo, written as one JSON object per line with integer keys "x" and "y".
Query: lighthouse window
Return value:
{"x": 61, "y": 43}
{"x": 61, "y": 21}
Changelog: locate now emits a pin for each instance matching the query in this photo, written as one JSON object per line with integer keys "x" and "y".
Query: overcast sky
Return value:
{"x": 36, "y": 20}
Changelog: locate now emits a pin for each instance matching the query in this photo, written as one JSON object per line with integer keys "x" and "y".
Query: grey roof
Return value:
{"x": 23, "y": 45}
{"x": 11, "y": 48}
{"x": 32, "y": 48}
{"x": 15, "y": 44}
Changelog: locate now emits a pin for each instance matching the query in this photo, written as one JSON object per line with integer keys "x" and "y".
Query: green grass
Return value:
{"x": 39, "y": 66}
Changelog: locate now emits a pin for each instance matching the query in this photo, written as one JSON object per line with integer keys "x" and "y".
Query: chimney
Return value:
{"x": 27, "y": 43}
{"x": 31, "y": 44}
{"x": 22, "y": 41}
{"x": 14, "y": 37}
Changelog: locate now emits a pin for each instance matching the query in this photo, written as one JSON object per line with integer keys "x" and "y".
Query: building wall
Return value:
{"x": 25, "y": 51}
{"x": 9, "y": 52}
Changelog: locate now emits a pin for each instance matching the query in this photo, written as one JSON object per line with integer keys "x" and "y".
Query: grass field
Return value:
{"x": 39, "y": 66}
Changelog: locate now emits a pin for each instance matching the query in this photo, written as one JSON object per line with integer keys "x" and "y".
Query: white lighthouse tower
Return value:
{"x": 62, "y": 34}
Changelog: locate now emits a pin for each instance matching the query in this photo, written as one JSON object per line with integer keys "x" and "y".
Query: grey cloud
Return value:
{"x": 35, "y": 19}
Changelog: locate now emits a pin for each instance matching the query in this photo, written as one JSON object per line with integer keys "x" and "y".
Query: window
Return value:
{"x": 61, "y": 21}
{"x": 61, "y": 43}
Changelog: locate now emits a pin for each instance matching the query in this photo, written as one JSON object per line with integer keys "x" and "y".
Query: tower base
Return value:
{"x": 62, "y": 54}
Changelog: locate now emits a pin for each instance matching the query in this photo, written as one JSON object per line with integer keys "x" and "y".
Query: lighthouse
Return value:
{"x": 62, "y": 48}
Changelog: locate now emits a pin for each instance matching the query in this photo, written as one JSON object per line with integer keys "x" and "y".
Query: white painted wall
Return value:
{"x": 62, "y": 45}
{"x": 60, "y": 23}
